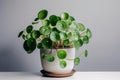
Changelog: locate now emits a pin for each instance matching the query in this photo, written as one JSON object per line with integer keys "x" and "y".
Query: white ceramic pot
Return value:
{"x": 54, "y": 66}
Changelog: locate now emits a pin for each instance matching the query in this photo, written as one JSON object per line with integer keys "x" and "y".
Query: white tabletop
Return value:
{"x": 76, "y": 76}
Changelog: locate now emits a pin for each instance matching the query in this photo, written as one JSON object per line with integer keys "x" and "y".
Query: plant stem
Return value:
{"x": 62, "y": 44}
{"x": 78, "y": 56}
{"x": 38, "y": 39}
{"x": 81, "y": 54}
{"x": 69, "y": 59}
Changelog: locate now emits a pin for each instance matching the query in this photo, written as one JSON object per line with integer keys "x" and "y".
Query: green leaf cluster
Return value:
{"x": 55, "y": 31}
{"x": 62, "y": 54}
{"x": 49, "y": 58}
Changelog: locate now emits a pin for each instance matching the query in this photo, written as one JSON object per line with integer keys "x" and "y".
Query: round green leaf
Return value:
{"x": 85, "y": 40}
{"x": 35, "y": 34}
{"x": 46, "y": 43}
{"x": 63, "y": 64}
{"x": 55, "y": 29}
{"x": 39, "y": 45}
{"x": 58, "y": 18}
{"x": 20, "y": 34}
{"x": 28, "y": 36}
{"x": 81, "y": 27}
{"x": 78, "y": 43}
{"x": 75, "y": 35}
{"x": 81, "y": 42}
{"x": 43, "y": 55}
{"x": 68, "y": 22}
{"x": 62, "y": 26}
{"x": 63, "y": 36}
{"x": 45, "y": 30}
{"x": 71, "y": 18}
{"x": 54, "y": 36}
{"x": 29, "y": 45}
{"x": 45, "y": 22}
{"x": 69, "y": 35}
{"x": 66, "y": 42}
{"x": 73, "y": 27}
{"x": 50, "y": 58}
{"x": 64, "y": 16}
{"x": 85, "y": 53}
{"x": 62, "y": 54}
{"x": 25, "y": 46}
{"x": 42, "y": 14}
{"x": 29, "y": 28}
{"x": 89, "y": 33}
{"x": 53, "y": 20}
{"x": 76, "y": 60}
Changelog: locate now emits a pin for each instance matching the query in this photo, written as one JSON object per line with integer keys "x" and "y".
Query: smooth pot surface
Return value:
{"x": 54, "y": 66}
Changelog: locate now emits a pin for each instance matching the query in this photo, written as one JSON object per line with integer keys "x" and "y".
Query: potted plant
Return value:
{"x": 57, "y": 37}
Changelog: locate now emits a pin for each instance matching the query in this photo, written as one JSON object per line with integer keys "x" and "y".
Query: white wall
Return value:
{"x": 101, "y": 16}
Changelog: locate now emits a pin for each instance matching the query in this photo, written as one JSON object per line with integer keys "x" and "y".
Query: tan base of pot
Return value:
{"x": 49, "y": 74}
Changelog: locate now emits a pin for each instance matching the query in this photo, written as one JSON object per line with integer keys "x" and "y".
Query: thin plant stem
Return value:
{"x": 78, "y": 56}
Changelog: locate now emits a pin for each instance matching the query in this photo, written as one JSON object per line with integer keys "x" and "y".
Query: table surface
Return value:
{"x": 76, "y": 76}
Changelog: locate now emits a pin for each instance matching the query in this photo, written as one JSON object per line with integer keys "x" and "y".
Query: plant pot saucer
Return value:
{"x": 50, "y": 74}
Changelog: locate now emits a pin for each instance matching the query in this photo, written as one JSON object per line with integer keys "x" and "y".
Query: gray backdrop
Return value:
{"x": 101, "y": 16}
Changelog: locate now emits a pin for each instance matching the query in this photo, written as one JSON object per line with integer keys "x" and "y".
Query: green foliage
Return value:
{"x": 55, "y": 32}
{"x": 42, "y": 14}
{"x": 29, "y": 45}
{"x": 63, "y": 64}
{"x": 78, "y": 43}
{"x": 45, "y": 22}
{"x": 50, "y": 58}
{"x": 43, "y": 55}
{"x": 71, "y": 18}
{"x": 20, "y": 34}
{"x": 35, "y": 23}
{"x": 85, "y": 53}
{"x": 39, "y": 45}
{"x": 66, "y": 42}
{"x": 76, "y": 60}
{"x": 53, "y": 20}
{"x": 89, "y": 33}
{"x": 63, "y": 36}
{"x": 75, "y": 36}
{"x": 23, "y": 36}
{"x": 69, "y": 35}
{"x": 62, "y": 26}
{"x": 35, "y": 34}
{"x": 62, "y": 54}
{"x": 54, "y": 36}
{"x": 85, "y": 40}
{"x": 46, "y": 43}
{"x": 36, "y": 19}
{"x": 28, "y": 36}
{"x": 45, "y": 30}
{"x": 64, "y": 16}
{"x": 81, "y": 27}
{"x": 29, "y": 28}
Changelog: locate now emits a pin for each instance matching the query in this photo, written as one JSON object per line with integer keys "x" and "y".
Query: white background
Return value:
{"x": 101, "y": 16}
